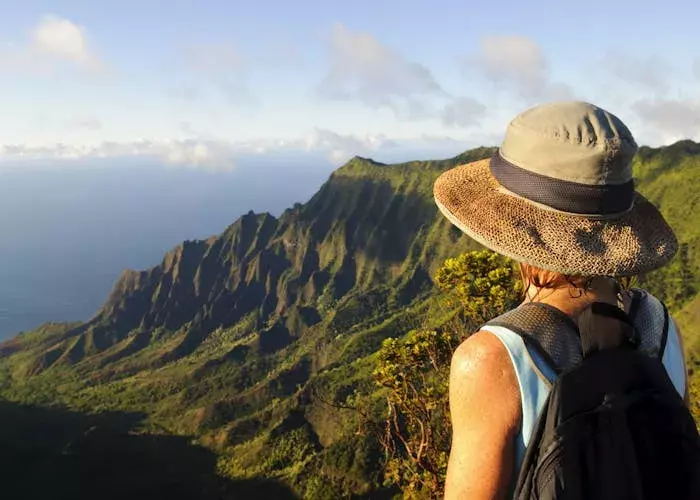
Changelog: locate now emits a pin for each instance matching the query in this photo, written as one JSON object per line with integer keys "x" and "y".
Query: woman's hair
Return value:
{"x": 552, "y": 280}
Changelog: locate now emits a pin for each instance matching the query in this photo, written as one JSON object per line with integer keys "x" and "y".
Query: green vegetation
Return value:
{"x": 483, "y": 284}
{"x": 414, "y": 371}
{"x": 260, "y": 352}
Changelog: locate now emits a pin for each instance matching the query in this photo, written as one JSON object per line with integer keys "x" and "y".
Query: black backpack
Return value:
{"x": 613, "y": 426}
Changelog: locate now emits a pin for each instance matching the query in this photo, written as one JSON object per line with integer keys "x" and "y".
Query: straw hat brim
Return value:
{"x": 632, "y": 243}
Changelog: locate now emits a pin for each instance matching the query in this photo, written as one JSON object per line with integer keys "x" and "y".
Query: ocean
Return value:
{"x": 68, "y": 230}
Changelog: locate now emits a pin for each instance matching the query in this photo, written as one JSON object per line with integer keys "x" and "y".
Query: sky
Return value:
{"x": 203, "y": 83}
{"x": 127, "y": 127}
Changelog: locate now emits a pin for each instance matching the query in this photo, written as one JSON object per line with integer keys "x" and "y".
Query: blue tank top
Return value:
{"x": 535, "y": 377}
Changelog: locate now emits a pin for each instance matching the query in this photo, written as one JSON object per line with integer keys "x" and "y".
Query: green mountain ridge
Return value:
{"x": 252, "y": 341}
{"x": 286, "y": 268}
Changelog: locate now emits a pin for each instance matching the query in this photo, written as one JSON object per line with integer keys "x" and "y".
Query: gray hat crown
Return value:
{"x": 571, "y": 141}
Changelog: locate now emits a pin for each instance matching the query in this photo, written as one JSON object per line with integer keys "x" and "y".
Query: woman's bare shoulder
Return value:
{"x": 481, "y": 351}
{"x": 485, "y": 413}
{"x": 481, "y": 367}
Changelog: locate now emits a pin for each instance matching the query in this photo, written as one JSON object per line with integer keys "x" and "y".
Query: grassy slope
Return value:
{"x": 669, "y": 177}
{"x": 243, "y": 394}
{"x": 358, "y": 255}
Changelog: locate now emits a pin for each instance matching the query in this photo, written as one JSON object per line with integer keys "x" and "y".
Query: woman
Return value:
{"x": 558, "y": 197}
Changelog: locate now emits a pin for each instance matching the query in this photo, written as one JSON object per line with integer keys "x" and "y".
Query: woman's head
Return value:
{"x": 559, "y": 193}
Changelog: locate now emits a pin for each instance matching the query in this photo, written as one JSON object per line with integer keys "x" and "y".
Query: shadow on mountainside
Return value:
{"x": 58, "y": 454}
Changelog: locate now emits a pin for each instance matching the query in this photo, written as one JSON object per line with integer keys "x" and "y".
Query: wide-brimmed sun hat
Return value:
{"x": 559, "y": 194}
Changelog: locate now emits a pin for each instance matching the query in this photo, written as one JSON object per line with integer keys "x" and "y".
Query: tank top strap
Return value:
{"x": 673, "y": 359}
{"x": 535, "y": 378}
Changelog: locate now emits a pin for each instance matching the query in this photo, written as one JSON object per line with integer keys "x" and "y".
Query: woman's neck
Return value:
{"x": 572, "y": 301}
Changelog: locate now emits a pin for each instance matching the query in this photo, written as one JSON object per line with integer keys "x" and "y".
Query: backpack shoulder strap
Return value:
{"x": 545, "y": 330}
{"x": 664, "y": 334}
{"x": 557, "y": 340}
{"x": 651, "y": 320}
{"x": 604, "y": 326}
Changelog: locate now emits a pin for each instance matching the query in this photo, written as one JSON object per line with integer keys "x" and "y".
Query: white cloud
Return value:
{"x": 513, "y": 57}
{"x": 51, "y": 42}
{"x": 518, "y": 63}
{"x": 206, "y": 153}
{"x": 336, "y": 147}
{"x": 670, "y": 120}
{"x": 340, "y": 148}
{"x": 53, "y": 151}
{"x": 362, "y": 68}
{"x": 216, "y": 155}
{"x": 365, "y": 70}
{"x": 462, "y": 112}
{"x": 63, "y": 39}
{"x": 650, "y": 72}
{"x": 199, "y": 154}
